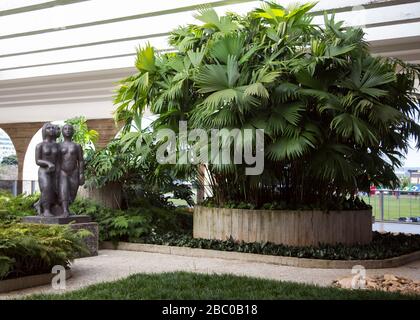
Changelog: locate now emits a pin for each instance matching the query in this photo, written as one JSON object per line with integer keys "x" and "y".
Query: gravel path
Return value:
{"x": 115, "y": 264}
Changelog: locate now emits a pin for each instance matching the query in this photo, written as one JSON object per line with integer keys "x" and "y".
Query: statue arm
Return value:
{"x": 81, "y": 165}
{"x": 38, "y": 158}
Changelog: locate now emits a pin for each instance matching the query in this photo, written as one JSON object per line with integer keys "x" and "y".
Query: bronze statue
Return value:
{"x": 71, "y": 169}
{"x": 46, "y": 157}
{"x": 60, "y": 171}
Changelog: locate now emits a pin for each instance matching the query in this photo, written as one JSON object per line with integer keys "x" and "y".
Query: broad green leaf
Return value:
{"x": 145, "y": 60}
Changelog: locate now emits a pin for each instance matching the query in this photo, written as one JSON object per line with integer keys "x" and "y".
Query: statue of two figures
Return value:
{"x": 60, "y": 170}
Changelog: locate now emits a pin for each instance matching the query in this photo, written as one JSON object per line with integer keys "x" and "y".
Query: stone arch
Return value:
{"x": 8, "y": 173}
{"x": 29, "y": 168}
{"x": 21, "y": 135}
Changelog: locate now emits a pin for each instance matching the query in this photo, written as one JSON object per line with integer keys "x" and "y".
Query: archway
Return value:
{"x": 8, "y": 163}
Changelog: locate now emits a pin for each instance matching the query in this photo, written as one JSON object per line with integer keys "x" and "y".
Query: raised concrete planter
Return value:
{"x": 92, "y": 241}
{"x": 252, "y": 257}
{"x": 56, "y": 220}
{"x": 28, "y": 282}
{"x": 296, "y": 228}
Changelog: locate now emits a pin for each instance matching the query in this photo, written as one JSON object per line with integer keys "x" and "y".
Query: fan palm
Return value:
{"x": 335, "y": 118}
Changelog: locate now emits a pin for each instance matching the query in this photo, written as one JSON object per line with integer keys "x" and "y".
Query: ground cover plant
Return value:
{"x": 17, "y": 206}
{"x": 383, "y": 246}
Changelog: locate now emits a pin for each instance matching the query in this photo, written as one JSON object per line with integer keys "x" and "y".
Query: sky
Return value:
{"x": 413, "y": 157}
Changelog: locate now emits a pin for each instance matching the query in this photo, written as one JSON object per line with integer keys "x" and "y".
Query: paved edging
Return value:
{"x": 28, "y": 282}
{"x": 252, "y": 257}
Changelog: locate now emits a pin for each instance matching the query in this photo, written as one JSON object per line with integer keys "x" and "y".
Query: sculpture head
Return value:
{"x": 57, "y": 131}
{"x": 68, "y": 131}
{"x": 48, "y": 130}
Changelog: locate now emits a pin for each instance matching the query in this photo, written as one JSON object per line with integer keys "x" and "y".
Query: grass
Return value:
{"x": 405, "y": 206}
{"x": 179, "y": 202}
{"x": 186, "y": 285}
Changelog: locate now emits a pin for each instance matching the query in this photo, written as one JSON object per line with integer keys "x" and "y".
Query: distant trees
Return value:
{"x": 10, "y": 160}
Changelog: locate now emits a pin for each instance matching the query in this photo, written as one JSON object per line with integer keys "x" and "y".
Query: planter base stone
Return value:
{"x": 75, "y": 223}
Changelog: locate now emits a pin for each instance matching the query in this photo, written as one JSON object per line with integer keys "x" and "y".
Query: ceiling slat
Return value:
{"x": 81, "y": 53}
{"x": 146, "y": 27}
{"x": 93, "y": 12}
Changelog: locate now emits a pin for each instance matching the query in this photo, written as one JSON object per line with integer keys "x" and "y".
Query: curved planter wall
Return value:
{"x": 297, "y": 228}
{"x": 29, "y": 281}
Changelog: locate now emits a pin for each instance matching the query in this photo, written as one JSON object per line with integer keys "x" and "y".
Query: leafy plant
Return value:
{"x": 383, "y": 246}
{"x": 130, "y": 224}
{"x": 125, "y": 225}
{"x": 142, "y": 218}
{"x": 335, "y": 203}
{"x": 335, "y": 118}
{"x": 29, "y": 249}
{"x": 13, "y": 207}
{"x": 83, "y": 135}
{"x": 140, "y": 175}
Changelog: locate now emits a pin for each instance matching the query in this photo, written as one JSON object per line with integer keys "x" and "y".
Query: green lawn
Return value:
{"x": 405, "y": 206}
{"x": 184, "y": 285}
{"x": 179, "y": 202}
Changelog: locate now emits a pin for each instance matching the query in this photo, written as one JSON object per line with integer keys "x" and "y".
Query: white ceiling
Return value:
{"x": 59, "y": 61}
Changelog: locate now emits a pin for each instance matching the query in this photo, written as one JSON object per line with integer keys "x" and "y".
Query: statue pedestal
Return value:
{"x": 75, "y": 223}
{"x": 56, "y": 220}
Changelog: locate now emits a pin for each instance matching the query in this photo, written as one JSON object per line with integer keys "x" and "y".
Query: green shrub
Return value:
{"x": 165, "y": 219}
{"x": 337, "y": 203}
{"x": 115, "y": 225}
{"x": 383, "y": 246}
{"x": 20, "y": 205}
{"x": 131, "y": 224}
{"x": 29, "y": 249}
